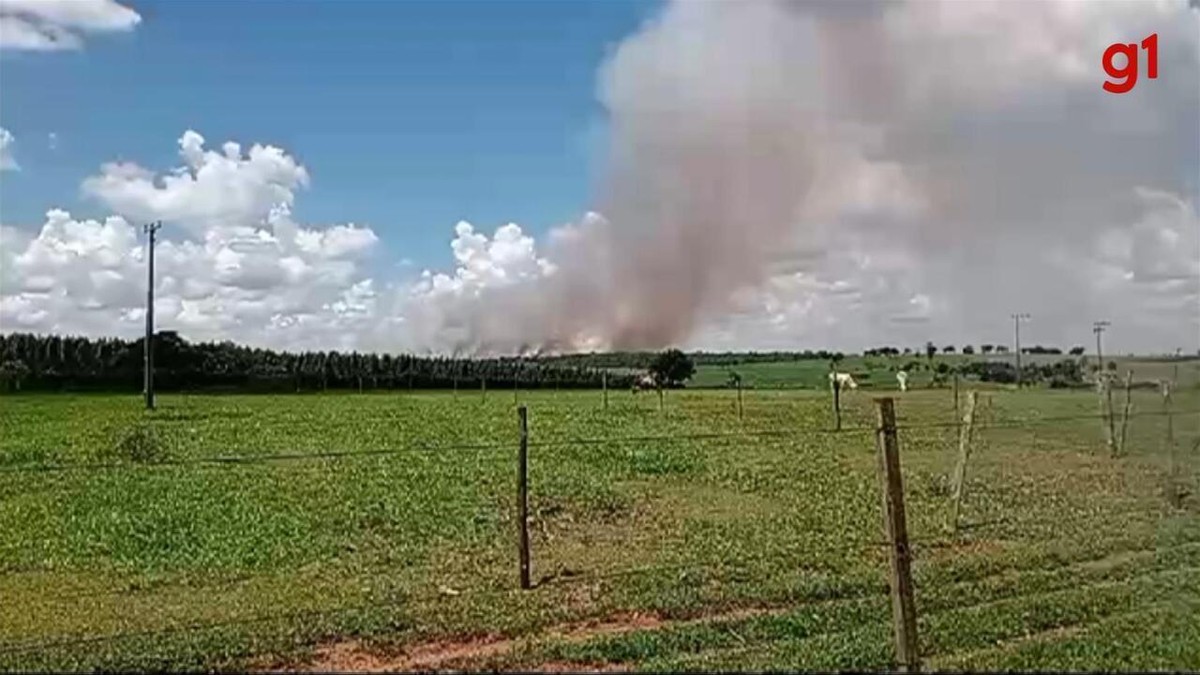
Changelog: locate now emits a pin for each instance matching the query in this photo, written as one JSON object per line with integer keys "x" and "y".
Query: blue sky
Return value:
{"x": 791, "y": 175}
{"x": 408, "y": 115}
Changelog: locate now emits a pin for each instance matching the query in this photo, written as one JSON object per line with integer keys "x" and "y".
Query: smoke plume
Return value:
{"x": 900, "y": 155}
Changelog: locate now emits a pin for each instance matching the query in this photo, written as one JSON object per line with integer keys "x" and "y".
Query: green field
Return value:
{"x": 879, "y": 372}
{"x": 228, "y": 531}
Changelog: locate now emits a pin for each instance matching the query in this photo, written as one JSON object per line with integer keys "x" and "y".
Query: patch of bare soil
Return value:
{"x": 352, "y": 655}
{"x": 465, "y": 653}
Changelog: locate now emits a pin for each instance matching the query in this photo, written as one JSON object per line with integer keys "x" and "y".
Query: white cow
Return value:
{"x": 844, "y": 381}
{"x": 644, "y": 382}
{"x": 902, "y": 378}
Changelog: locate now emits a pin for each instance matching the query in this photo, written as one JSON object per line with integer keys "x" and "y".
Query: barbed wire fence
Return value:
{"x": 886, "y": 434}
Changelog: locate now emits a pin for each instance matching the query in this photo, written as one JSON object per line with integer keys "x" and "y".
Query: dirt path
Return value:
{"x": 446, "y": 654}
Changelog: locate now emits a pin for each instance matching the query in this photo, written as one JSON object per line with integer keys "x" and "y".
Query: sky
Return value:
{"x": 409, "y": 116}
{"x": 511, "y": 176}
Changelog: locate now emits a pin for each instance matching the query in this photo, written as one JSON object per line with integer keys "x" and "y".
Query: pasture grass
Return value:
{"x": 879, "y": 372}
{"x": 129, "y": 541}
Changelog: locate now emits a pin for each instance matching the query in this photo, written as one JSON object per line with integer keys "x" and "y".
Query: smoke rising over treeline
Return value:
{"x": 876, "y": 164}
{"x": 777, "y": 175}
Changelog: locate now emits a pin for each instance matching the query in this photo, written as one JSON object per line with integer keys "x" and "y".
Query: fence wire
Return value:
{"x": 428, "y": 447}
{"x": 559, "y": 578}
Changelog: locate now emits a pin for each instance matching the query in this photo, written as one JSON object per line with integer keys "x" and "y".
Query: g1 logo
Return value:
{"x": 1124, "y": 78}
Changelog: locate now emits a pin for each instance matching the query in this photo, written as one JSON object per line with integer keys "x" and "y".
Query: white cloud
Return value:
{"x": 212, "y": 189}
{"x": 50, "y": 25}
{"x": 239, "y": 267}
{"x": 7, "y": 161}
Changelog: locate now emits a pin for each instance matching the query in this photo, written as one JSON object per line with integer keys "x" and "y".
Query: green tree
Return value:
{"x": 13, "y": 371}
{"x": 672, "y": 368}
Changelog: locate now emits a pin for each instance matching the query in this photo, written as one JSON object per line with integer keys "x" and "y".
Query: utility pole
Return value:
{"x": 1098, "y": 328}
{"x": 1017, "y": 319}
{"x": 150, "y": 229}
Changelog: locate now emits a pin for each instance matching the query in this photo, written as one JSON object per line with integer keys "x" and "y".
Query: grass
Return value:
{"x": 131, "y": 541}
{"x": 878, "y": 372}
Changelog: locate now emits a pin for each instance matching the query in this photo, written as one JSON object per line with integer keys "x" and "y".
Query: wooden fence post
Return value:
{"x": 1166, "y": 394}
{"x": 1175, "y": 491}
{"x": 660, "y": 398}
{"x": 904, "y": 609}
{"x": 1125, "y": 414}
{"x": 604, "y": 385}
{"x": 739, "y": 395}
{"x": 965, "y": 430}
{"x": 523, "y": 497}
{"x": 837, "y": 403}
{"x": 1104, "y": 395}
{"x": 483, "y": 387}
{"x": 956, "y": 395}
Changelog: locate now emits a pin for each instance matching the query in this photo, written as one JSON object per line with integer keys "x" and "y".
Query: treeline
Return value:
{"x": 640, "y": 360}
{"x": 53, "y": 362}
{"x": 643, "y": 360}
{"x": 930, "y": 349}
{"x": 1063, "y": 373}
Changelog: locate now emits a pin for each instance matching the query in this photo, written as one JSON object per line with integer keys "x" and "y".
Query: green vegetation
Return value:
{"x": 879, "y": 372}
{"x": 56, "y": 363}
{"x": 672, "y": 368}
{"x": 135, "y": 540}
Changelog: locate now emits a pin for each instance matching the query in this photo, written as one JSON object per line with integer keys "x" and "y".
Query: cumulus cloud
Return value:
{"x": 484, "y": 265}
{"x": 212, "y": 189}
{"x": 231, "y": 263}
{"x": 51, "y": 25}
{"x": 7, "y": 161}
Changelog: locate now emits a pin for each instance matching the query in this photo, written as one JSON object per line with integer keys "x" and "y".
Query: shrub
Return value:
{"x": 139, "y": 444}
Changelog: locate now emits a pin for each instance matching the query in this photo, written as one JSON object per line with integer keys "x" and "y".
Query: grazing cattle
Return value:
{"x": 644, "y": 383}
{"x": 844, "y": 381}
{"x": 902, "y": 378}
